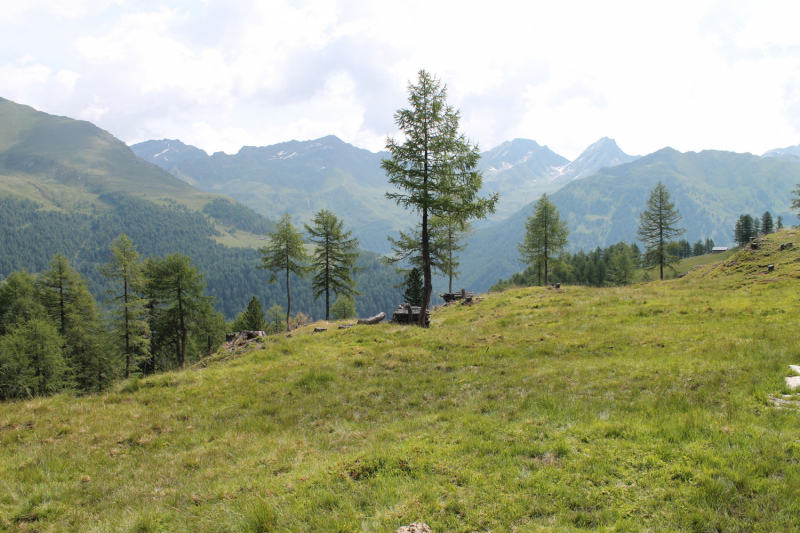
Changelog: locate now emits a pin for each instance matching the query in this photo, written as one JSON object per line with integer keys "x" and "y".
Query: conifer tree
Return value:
{"x": 709, "y": 245}
{"x": 129, "y": 309}
{"x": 545, "y": 236}
{"x": 343, "y": 308}
{"x": 434, "y": 169}
{"x": 285, "y": 253}
{"x": 69, "y": 304}
{"x": 414, "y": 293}
{"x": 744, "y": 230}
{"x": 699, "y": 248}
{"x": 253, "y": 317}
{"x": 756, "y": 226}
{"x": 453, "y": 232}
{"x": 621, "y": 265}
{"x": 18, "y": 302}
{"x": 179, "y": 306}
{"x": 275, "y": 318}
{"x": 657, "y": 226}
{"x": 767, "y": 225}
{"x": 779, "y": 223}
{"x": 335, "y": 255}
{"x": 32, "y": 360}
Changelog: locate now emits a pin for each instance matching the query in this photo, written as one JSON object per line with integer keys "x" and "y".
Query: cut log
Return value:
{"x": 345, "y": 326}
{"x": 247, "y": 335}
{"x": 372, "y": 320}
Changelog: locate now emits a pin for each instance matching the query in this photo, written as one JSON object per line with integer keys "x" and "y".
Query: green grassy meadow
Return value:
{"x": 639, "y": 408}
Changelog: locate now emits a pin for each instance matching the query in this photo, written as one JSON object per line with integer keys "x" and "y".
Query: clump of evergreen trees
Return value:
{"x": 612, "y": 265}
{"x": 54, "y": 337}
{"x": 748, "y": 227}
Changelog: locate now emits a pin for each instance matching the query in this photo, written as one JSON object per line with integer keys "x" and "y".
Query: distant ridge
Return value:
{"x": 790, "y": 153}
{"x": 604, "y": 153}
{"x": 298, "y": 177}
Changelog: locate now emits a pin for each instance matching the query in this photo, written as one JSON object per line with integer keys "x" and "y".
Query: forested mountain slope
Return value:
{"x": 710, "y": 188}
{"x": 299, "y": 177}
{"x": 67, "y": 186}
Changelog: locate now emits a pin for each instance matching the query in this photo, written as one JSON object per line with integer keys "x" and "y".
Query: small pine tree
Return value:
{"x": 699, "y": 248}
{"x": 621, "y": 265}
{"x": 343, "y": 308}
{"x": 275, "y": 318}
{"x": 414, "y": 287}
{"x": 709, "y": 245}
{"x": 779, "y": 224}
{"x": 756, "y": 226}
{"x": 253, "y": 317}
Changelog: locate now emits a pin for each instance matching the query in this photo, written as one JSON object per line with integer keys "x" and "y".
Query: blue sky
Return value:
{"x": 223, "y": 74}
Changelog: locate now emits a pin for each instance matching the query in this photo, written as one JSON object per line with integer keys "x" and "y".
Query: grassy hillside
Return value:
{"x": 710, "y": 189}
{"x": 67, "y": 163}
{"x": 644, "y": 408}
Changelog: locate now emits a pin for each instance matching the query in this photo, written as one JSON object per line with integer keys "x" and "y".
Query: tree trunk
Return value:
{"x": 288, "y": 296}
{"x": 182, "y": 340}
{"x": 327, "y": 281}
{"x": 426, "y": 259}
{"x": 127, "y": 333}
{"x": 450, "y": 245}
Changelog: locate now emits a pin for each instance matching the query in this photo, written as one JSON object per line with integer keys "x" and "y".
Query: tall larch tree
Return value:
{"x": 334, "y": 258}
{"x": 545, "y": 236}
{"x": 658, "y": 225}
{"x": 434, "y": 168}
{"x": 125, "y": 270}
{"x": 285, "y": 253}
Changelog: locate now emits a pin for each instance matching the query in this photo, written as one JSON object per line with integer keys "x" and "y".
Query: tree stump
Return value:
{"x": 786, "y": 246}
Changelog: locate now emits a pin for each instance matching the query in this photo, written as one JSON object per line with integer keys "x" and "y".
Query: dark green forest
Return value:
{"x": 31, "y": 236}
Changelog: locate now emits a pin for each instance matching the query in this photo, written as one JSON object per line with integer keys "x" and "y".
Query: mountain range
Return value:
{"x": 68, "y": 186}
{"x": 790, "y": 153}
{"x": 710, "y": 189}
{"x": 72, "y": 168}
{"x": 299, "y": 177}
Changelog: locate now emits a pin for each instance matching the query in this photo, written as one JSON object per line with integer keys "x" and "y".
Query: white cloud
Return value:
{"x": 689, "y": 74}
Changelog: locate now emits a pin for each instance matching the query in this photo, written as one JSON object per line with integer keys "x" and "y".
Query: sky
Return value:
{"x": 222, "y": 74}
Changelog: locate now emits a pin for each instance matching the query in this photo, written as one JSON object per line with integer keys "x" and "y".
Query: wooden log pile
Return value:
{"x": 408, "y": 314}
{"x": 458, "y": 295}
